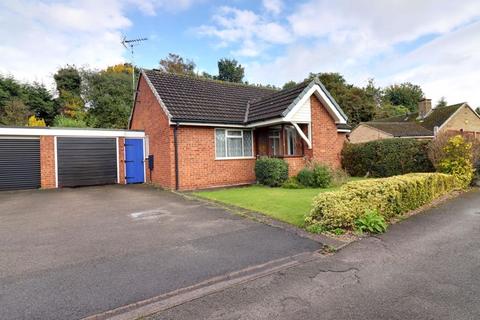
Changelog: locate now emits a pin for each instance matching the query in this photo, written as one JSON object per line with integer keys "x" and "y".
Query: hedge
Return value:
{"x": 390, "y": 196}
{"x": 386, "y": 158}
{"x": 272, "y": 172}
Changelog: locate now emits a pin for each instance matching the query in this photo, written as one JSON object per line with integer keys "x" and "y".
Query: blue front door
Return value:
{"x": 134, "y": 161}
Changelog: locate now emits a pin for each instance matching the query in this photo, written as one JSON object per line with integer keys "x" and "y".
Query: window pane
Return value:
{"x": 234, "y": 147}
{"x": 247, "y": 143}
{"x": 291, "y": 136}
{"x": 236, "y": 133}
{"x": 220, "y": 143}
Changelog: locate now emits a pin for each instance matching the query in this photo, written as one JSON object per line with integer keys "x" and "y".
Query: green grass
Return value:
{"x": 289, "y": 205}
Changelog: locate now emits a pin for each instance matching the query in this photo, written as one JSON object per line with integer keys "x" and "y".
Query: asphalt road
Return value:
{"x": 426, "y": 267}
{"x": 71, "y": 253}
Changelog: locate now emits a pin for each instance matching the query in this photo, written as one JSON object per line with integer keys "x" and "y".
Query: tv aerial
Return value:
{"x": 130, "y": 44}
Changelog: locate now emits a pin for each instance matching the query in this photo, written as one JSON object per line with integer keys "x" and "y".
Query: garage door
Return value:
{"x": 86, "y": 161}
{"x": 19, "y": 164}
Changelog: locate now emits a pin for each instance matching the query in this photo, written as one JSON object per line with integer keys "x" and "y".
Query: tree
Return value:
{"x": 289, "y": 85}
{"x": 40, "y": 102}
{"x": 109, "y": 96}
{"x": 14, "y": 113}
{"x": 229, "y": 70}
{"x": 69, "y": 86}
{"x": 441, "y": 103}
{"x": 404, "y": 94}
{"x": 174, "y": 63}
{"x": 36, "y": 122}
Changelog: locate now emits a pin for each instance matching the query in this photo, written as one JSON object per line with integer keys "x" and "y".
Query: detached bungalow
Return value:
{"x": 206, "y": 133}
{"x": 424, "y": 124}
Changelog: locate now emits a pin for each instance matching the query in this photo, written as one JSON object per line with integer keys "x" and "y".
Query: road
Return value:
{"x": 425, "y": 267}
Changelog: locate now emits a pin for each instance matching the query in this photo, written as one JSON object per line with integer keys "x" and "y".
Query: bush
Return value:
{"x": 272, "y": 172}
{"x": 386, "y": 158}
{"x": 65, "y": 122}
{"x": 339, "y": 177}
{"x": 292, "y": 183}
{"x": 372, "y": 222}
{"x": 457, "y": 160}
{"x": 389, "y": 196}
{"x": 315, "y": 176}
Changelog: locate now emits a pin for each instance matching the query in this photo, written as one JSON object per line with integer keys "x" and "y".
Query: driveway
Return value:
{"x": 71, "y": 253}
{"x": 426, "y": 267}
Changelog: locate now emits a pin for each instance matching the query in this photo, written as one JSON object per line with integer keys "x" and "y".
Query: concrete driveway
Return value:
{"x": 426, "y": 267}
{"x": 71, "y": 253}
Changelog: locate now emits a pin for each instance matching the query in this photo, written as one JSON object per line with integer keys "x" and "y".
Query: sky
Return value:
{"x": 433, "y": 43}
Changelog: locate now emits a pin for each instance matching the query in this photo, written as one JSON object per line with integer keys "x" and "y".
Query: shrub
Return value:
{"x": 385, "y": 158}
{"x": 372, "y": 222}
{"x": 64, "y": 122}
{"x": 272, "y": 172}
{"x": 389, "y": 196}
{"x": 315, "y": 175}
{"x": 305, "y": 177}
{"x": 436, "y": 149}
{"x": 339, "y": 177}
{"x": 457, "y": 160}
{"x": 292, "y": 183}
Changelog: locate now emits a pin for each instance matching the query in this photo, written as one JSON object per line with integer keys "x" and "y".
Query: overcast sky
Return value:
{"x": 434, "y": 43}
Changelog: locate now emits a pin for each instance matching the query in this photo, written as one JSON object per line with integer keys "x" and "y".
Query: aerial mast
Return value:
{"x": 129, "y": 44}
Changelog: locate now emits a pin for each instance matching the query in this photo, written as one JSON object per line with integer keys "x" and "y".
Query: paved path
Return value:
{"x": 71, "y": 253}
{"x": 426, "y": 267}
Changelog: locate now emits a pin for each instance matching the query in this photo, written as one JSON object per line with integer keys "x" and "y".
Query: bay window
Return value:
{"x": 233, "y": 143}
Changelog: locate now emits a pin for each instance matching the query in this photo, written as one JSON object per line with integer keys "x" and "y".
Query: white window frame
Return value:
{"x": 273, "y": 135}
{"x": 291, "y": 133}
{"x": 227, "y": 130}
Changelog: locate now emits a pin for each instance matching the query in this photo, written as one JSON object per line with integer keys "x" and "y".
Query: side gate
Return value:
{"x": 134, "y": 161}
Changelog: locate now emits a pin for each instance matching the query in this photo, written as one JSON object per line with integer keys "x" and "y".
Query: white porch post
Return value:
{"x": 303, "y": 136}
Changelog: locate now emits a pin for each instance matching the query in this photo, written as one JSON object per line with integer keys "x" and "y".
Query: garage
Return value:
{"x": 19, "y": 163}
{"x": 86, "y": 161}
{"x": 69, "y": 157}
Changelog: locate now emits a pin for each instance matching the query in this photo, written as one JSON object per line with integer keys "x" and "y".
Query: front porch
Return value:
{"x": 291, "y": 142}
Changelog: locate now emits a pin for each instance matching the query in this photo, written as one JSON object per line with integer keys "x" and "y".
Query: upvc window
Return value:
{"x": 291, "y": 140}
{"x": 233, "y": 143}
{"x": 274, "y": 139}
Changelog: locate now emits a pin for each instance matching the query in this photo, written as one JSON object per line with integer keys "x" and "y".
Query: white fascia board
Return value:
{"x": 315, "y": 89}
{"x": 216, "y": 125}
{"x": 64, "y": 132}
{"x": 344, "y": 130}
{"x": 268, "y": 122}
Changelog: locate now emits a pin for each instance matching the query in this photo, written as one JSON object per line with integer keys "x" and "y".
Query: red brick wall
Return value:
{"x": 198, "y": 167}
{"x": 149, "y": 116}
{"x": 121, "y": 160}
{"x": 327, "y": 143}
{"x": 47, "y": 162}
{"x": 295, "y": 164}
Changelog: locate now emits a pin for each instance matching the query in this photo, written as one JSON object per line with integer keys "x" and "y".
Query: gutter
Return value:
{"x": 175, "y": 143}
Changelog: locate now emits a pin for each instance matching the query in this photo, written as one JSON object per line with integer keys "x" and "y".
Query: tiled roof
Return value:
{"x": 201, "y": 100}
{"x": 408, "y": 125}
{"x": 274, "y": 105}
{"x": 193, "y": 99}
{"x": 401, "y": 129}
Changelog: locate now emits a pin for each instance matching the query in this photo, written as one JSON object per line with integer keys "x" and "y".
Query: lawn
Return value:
{"x": 289, "y": 205}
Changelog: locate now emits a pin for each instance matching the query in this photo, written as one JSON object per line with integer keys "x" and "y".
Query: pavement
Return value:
{"x": 425, "y": 267}
{"x": 73, "y": 253}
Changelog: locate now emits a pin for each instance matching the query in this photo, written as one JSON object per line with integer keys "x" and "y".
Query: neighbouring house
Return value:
{"x": 424, "y": 124}
{"x": 205, "y": 133}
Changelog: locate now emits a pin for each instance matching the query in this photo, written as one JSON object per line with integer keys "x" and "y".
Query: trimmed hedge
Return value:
{"x": 386, "y": 158}
{"x": 390, "y": 196}
{"x": 272, "y": 172}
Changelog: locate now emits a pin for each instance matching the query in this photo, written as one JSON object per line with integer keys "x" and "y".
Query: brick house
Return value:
{"x": 206, "y": 133}
{"x": 424, "y": 124}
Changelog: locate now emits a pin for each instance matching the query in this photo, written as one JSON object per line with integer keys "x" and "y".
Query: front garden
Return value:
{"x": 321, "y": 199}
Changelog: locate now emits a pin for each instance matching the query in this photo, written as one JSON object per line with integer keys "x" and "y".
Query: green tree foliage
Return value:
{"x": 66, "y": 122}
{"x": 230, "y": 70}
{"x": 404, "y": 94}
{"x": 40, "y": 101}
{"x": 441, "y": 103}
{"x": 289, "y": 85}
{"x": 109, "y": 97}
{"x": 15, "y": 113}
{"x": 69, "y": 86}
{"x": 174, "y": 63}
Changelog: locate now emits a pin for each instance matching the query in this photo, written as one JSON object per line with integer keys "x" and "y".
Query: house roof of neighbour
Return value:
{"x": 409, "y": 125}
{"x": 401, "y": 129}
{"x": 193, "y": 99}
